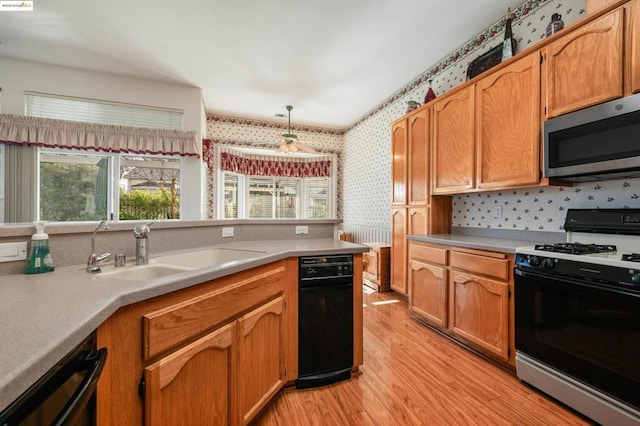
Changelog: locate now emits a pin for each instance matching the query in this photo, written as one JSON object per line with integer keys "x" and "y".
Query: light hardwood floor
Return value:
{"x": 414, "y": 376}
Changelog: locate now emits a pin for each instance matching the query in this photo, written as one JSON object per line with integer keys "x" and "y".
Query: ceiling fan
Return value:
{"x": 290, "y": 143}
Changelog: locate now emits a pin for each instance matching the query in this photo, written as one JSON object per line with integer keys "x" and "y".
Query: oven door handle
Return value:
{"x": 92, "y": 362}
{"x": 577, "y": 283}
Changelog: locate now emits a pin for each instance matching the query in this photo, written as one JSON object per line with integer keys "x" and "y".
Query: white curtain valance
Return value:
{"x": 48, "y": 133}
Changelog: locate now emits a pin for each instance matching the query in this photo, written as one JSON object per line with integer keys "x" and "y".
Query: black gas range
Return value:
{"x": 577, "y": 315}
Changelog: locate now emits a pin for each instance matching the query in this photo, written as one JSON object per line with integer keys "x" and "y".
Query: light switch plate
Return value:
{"x": 227, "y": 232}
{"x": 302, "y": 229}
{"x": 11, "y": 252}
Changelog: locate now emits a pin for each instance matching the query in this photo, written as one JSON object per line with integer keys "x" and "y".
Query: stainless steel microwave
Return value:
{"x": 596, "y": 143}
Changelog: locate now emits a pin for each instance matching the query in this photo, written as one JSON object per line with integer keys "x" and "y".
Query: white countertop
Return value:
{"x": 43, "y": 317}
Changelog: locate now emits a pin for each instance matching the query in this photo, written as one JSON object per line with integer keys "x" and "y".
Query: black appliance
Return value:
{"x": 599, "y": 142}
{"x": 65, "y": 395}
{"x": 577, "y": 315}
{"x": 325, "y": 320}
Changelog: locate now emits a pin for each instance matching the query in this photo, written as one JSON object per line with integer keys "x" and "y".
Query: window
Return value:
{"x": 76, "y": 186}
{"x": 275, "y": 198}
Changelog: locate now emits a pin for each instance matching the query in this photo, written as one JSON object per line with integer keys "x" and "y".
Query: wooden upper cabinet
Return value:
{"x": 194, "y": 383}
{"x": 585, "y": 67}
{"x": 399, "y": 250}
{"x": 399, "y": 163}
{"x": 418, "y": 131}
{"x": 453, "y": 142}
{"x": 418, "y": 221}
{"x": 508, "y": 126}
{"x": 635, "y": 47}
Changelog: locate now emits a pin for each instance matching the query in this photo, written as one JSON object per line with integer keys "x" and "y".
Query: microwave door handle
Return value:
{"x": 92, "y": 362}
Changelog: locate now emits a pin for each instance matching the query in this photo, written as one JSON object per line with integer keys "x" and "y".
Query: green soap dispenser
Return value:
{"x": 40, "y": 260}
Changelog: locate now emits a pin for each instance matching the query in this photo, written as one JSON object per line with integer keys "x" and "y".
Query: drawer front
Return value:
{"x": 170, "y": 326}
{"x": 427, "y": 253}
{"x": 371, "y": 257}
{"x": 497, "y": 267}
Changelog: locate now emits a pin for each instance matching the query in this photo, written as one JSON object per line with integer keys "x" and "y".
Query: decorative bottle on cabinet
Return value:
{"x": 509, "y": 44}
{"x": 555, "y": 25}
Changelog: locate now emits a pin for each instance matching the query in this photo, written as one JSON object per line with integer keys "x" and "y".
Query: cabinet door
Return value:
{"x": 399, "y": 163}
{"x": 193, "y": 385}
{"x": 479, "y": 312}
{"x": 584, "y": 67}
{"x": 453, "y": 143}
{"x": 399, "y": 250}
{"x": 418, "y": 223}
{"x": 261, "y": 357}
{"x": 429, "y": 292}
{"x": 418, "y": 124}
{"x": 508, "y": 126}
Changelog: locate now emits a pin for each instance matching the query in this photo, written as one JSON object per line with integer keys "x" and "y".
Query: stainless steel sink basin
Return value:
{"x": 205, "y": 258}
{"x": 145, "y": 272}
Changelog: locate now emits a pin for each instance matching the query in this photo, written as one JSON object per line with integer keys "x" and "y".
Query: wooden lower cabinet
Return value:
{"x": 466, "y": 294}
{"x": 261, "y": 357}
{"x": 479, "y": 312}
{"x": 195, "y": 384}
{"x": 399, "y": 251}
{"x": 429, "y": 292}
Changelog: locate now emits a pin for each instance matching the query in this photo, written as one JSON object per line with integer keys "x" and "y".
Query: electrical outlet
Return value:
{"x": 302, "y": 229}
{"x": 497, "y": 212}
{"x": 227, "y": 232}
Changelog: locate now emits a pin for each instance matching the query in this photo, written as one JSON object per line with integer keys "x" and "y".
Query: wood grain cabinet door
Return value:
{"x": 453, "y": 143}
{"x": 585, "y": 67}
{"x": 429, "y": 292}
{"x": 261, "y": 357}
{"x": 399, "y": 250}
{"x": 193, "y": 385}
{"x": 479, "y": 312}
{"x": 418, "y": 221}
{"x": 508, "y": 126}
{"x": 418, "y": 131}
{"x": 399, "y": 167}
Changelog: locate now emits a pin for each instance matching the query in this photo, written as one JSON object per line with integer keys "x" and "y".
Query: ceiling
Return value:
{"x": 334, "y": 60}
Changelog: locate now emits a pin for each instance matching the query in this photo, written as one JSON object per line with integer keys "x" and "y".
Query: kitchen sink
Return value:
{"x": 205, "y": 258}
{"x": 144, "y": 272}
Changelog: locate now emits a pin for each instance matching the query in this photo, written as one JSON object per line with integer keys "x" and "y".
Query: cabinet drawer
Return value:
{"x": 496, "y": 265}
{"x": 172, "y": 325}
{"x": 428, "y": 254}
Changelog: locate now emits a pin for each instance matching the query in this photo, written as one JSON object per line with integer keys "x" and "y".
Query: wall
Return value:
{"x": 367, "y": 191}
{"x": 16, "y": 77}
{"x": 234, "y": 131}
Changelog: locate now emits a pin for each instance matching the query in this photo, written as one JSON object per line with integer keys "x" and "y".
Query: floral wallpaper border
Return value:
{"x": 212, "y": 118}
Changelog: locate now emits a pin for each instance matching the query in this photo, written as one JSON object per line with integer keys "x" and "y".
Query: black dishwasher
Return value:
{"x": 325, "y": 320}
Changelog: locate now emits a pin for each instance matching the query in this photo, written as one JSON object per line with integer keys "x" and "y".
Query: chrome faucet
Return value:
{"x": 93, "y": 264}
{"x": 141, "y": 232}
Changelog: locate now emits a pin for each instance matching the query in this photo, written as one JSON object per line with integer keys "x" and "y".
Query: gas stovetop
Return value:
{"x": 602, "y": 245}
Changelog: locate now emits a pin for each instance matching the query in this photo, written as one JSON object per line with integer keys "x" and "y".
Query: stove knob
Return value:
{"x": 534, "y": 261}
{"x": 635, "y": 278}
{"x": 547, "y": 264}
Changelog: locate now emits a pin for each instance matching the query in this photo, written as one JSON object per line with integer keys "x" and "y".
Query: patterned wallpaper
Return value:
{"x": 365, "y": 177}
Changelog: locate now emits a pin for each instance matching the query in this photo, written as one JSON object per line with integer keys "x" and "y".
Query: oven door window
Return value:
{"x": 582, "y": 330}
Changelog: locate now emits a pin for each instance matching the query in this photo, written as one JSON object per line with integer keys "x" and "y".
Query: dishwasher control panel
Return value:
{"x": 314, "y": 267}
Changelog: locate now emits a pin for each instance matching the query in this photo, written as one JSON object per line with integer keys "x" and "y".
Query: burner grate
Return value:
{"x": 576, "y": 248}
{"x": 633, "y": 257}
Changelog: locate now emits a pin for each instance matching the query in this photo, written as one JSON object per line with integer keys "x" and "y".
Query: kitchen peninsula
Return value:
{"x": 45, "y": 316}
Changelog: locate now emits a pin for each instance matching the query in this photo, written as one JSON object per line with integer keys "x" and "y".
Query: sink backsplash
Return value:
{"x": 541, "y": 209}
